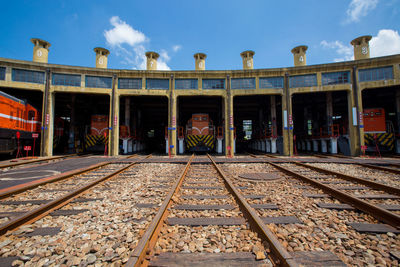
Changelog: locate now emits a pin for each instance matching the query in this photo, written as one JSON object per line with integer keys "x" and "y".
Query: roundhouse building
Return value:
{"x": 326, "y": 108}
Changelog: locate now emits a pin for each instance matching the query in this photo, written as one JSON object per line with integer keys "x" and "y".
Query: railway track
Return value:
{"x": 205, "y": 220}
{"x": 197, "y": 214}
{"x": 101, "y": 225}
{"x": 365, "y": 193}
{"x": 26, "y": 161}
{"x": 382, "y": 165}
{"x": 309, "y": 219}
{"x": 47, "y": 197}
{"x": 350, "y": 190}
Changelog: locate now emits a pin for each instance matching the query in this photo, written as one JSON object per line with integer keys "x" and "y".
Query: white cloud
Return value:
{"x": 164, "y": 55}
{"x": 162, "y": 65}
{"x": 387, "y": 42}
{"x": 345, "y": 52}
{"x": 130, "y": 44}
{"x": 360, "y": 8}
{"x": 123, "y": 33}
{"x": 176, "y": 48}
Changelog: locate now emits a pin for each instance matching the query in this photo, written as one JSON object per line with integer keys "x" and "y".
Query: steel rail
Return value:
{"x": 369, "y": 165}
{"x": 353, "y": 160}
{"x": 372, "y": 184}
{"x": 381, "y": 168}
{"x": 45, "y": 209}
{"x": 55, "y": 178}
{"x": 140, "y": 256}
{"x": 373, "y": 210}
{"x": 13, "y": 164}
{"x": 340, "y": 156}
{"x": 279, "y": 256}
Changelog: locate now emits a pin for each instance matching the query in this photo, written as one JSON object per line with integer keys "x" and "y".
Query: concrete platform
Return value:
{"x": 22, "y": 175}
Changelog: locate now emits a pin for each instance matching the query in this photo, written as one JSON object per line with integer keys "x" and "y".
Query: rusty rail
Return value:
{"x": 381, "y": 168}
{"x": 279, "y": 256}
{"x": 53, "y": 179}
{"x": 141, "y": 254}
{"x": 375, "y": 211}
{"x": 45, "y": 209}
{"x": 372, "y": 184}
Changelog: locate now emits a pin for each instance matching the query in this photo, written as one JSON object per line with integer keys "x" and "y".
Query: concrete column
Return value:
{"x": 46, "y": 149}
{"x": 172, "y": 117}
{"x": 286, "y": 114}
{"x": 113, "y": 144}
{"x": 273, "y": 145}
{"x": 315, "y": 145}
{"x": 219, "y": 145}
{"x": 181, "y": 146}
{"x": 396, "y": 71}
{"x": 285, "y": 125}
{"x": 398, "y": 146}
{"x": 353, "y": 125}
{"x": 357, "y": 95}
{"x": 130, "y": 146}
{"x": 267, "y": 146}
{"x": 324, "y": 146}
{"x": 229, "y": 125}
{"x": 308, "y": 145}
{"x": 333, "y": 141}
{"x": 8, "y": 74}
{"x": 83, "y": 81}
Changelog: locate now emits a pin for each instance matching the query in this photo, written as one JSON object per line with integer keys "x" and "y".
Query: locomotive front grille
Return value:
{"x": 199, "y": 141}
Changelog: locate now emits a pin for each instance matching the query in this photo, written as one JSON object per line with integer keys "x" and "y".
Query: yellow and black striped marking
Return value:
{"x": 382, "y": 139}
{"x": 92, "y": 140}
{"x": 193, "y": 141}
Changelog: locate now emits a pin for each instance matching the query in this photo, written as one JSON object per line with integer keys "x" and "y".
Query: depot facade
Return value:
{"x": 362, "y": 73}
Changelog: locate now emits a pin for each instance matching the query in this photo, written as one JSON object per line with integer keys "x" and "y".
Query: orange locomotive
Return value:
{"x": 200, "y": 133}
{"x": 97, "y": 135}
{"x": 16, "y": 115}
{"x": 378, "y": 132}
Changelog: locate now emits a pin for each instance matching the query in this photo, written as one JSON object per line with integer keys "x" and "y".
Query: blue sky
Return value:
{"x": 179, "y": 28}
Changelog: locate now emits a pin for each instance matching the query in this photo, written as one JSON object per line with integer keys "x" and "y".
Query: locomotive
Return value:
{"x": 378, "y": 132}
{"x": 200, "y": 133}
{"x": 97, "y": 135}
{"x": 17, "y": 115}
